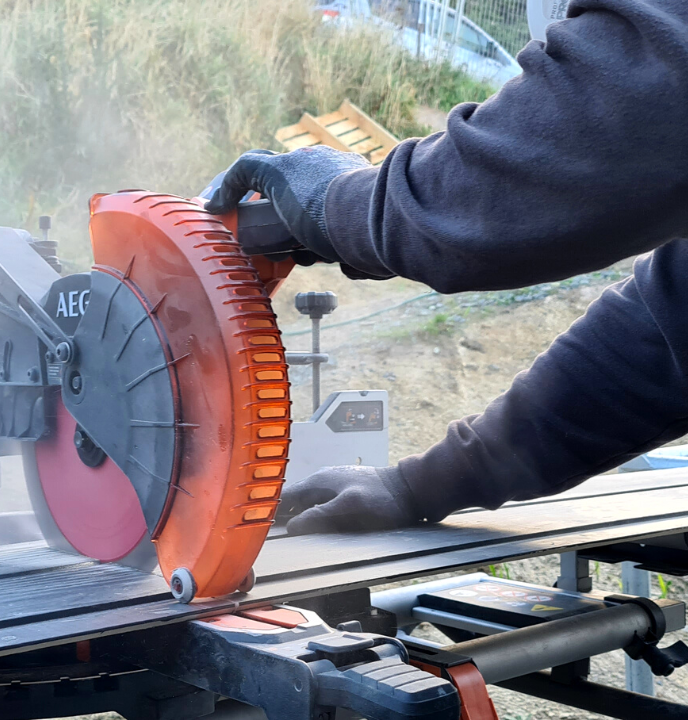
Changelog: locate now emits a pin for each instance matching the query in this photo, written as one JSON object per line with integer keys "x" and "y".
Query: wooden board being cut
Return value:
{"x": 348, "y": 129}
{"x": 54, "y": 597}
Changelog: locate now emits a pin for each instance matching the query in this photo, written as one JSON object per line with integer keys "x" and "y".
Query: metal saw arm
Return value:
{"x": 25, "y": 279}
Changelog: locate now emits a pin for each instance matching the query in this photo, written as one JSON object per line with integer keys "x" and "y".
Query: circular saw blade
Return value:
{"x": 229, "y": 375}
{"x": 94, "y": 509}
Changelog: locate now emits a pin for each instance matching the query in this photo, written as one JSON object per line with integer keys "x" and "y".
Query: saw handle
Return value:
{"x": 259, "y": 227}
{"x": 263, "y": 235}
{"x": 272, "y": 269}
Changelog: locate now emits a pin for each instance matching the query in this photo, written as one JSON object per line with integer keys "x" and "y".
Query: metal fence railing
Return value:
{"x": 483, "y": 36}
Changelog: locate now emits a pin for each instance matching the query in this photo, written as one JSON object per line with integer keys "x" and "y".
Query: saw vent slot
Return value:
{"x": 272, "y": 431}
{"x": 267, "y": 471}
{"x": 269, "y": 374}
{"x": 272, "y": 412}
{"x": 266, "y": 357}
{"x": 263, "y": 340}
{"x": 270, "y": 451}
{"x": 257, "y": 514}
{"x": 272, "y": 394}
{"x": 256, "y": 323}
{"x": 265, "y": 492}
{"x": 240, "y": 276}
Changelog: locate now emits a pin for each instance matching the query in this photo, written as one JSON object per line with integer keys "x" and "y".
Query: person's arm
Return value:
{"x": 577, "y": 163}
{"x": 608, "y": 389}
{"x": 580, "y": 161}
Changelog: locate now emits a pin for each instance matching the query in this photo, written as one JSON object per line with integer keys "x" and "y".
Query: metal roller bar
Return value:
{"x": 527, "y": 650}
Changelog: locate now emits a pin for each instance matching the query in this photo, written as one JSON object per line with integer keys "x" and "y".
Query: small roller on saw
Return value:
{"x": 151, "y": 394}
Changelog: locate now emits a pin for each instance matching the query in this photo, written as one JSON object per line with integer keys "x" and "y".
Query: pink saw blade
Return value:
{"x": 96, "y": 509}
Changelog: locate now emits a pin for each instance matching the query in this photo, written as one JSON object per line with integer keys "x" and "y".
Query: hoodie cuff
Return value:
{"x": 347, "y": 210}
{"x": 398, "y": 488}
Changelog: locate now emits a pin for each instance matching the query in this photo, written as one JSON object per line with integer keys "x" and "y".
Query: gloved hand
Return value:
{"x": 296, "y": 183}
{"x": 350, "y": 497}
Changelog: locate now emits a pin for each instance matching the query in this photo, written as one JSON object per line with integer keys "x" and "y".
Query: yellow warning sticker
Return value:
{"x": 544, "y": 608}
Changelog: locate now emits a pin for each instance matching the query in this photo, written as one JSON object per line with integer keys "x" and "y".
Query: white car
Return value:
{"x": 471, "y": 48}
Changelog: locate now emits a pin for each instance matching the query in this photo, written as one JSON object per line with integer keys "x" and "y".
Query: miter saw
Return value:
{"x": 149, "y": 398}
{"x": 151, "y": 394}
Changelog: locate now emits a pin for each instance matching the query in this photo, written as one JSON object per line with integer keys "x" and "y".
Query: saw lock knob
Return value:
{"x": 316, "y": 304}
{"x": 45, "y": 247}
{"x": 44, "y": 224}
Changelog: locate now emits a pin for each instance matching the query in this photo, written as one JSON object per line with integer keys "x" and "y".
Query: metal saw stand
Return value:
{"x": 75, "y": 635}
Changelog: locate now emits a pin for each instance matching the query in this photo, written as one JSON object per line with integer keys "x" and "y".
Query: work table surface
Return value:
{"x": 48, "y": 596}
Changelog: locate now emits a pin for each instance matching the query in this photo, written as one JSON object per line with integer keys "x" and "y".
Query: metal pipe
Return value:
{"x": 442, "y": 26}
{"x": 639, "y": 676}
{"x": 458, "y": 20}
{"x": 608, "y": 701}
{"x": 299, "y": 358}
{"x": 527, "y": 650}
{"x": 315, "y": 348}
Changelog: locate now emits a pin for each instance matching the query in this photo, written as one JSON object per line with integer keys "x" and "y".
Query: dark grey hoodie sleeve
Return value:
{"x": 611, "y": 387}
{"x": 580, "y": 161}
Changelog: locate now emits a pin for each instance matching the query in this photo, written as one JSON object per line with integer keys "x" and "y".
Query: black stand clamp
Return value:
{"x": 291, "y": 664}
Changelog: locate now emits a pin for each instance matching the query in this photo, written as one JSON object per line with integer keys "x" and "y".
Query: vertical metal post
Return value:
{"x": 420, "y": 25}
{"x": 316, "y": 365}
{"x": 456, "y": 35}
{"x": 575, "y": 573}
{"x": 442, "y": 27}
{"x": 639, "y": 677}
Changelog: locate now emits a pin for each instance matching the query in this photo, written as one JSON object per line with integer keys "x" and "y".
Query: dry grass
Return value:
{"x": 97, "y": 95}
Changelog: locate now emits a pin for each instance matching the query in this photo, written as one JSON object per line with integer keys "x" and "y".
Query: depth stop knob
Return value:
{"x": 315, "y": 304}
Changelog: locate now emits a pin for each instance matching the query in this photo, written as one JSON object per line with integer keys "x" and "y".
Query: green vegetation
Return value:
{"x": 664, "y": 586}
{"x": 97, "y": 95}
{"x": 500, "y": 571}
{"x": 439, "y": 325}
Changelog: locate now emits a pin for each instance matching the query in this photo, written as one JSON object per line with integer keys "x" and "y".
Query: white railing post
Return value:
{"x": 442, "y": 27}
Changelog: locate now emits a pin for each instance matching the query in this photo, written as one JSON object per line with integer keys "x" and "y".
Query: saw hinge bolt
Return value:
{"x": 64, "y": 352}
{"x": 33, "y": 374}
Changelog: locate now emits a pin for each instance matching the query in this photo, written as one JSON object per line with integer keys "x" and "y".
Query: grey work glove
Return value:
{"x": 296, "y": 183}
{"x": 350, "y": 497}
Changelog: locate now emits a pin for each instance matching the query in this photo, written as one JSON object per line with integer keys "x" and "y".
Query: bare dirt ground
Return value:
{"x": 441, "y": 358}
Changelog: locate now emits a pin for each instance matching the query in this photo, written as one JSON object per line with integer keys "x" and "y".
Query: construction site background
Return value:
{"x": 97, "y": 96}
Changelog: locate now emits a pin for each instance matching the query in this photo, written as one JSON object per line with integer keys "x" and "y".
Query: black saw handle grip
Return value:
{"x": 260, "y": 229}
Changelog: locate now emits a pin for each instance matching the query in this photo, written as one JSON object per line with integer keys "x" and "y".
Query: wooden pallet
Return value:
{"x": 347, "y": 128}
